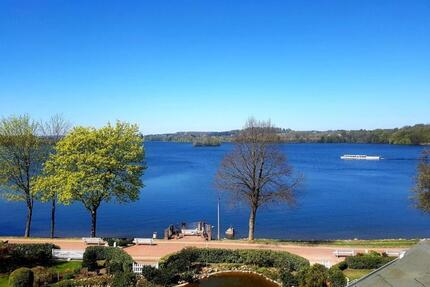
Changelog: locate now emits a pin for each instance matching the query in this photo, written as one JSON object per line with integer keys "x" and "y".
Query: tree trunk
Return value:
{"x": 53, "y": 218}
{"x": 93, "y": 222}
{"x": 252, "y": 216}
{"x": 28, "y": 222}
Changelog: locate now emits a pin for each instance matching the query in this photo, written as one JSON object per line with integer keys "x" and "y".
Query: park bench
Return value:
{"x": 344, "y": 253}
{"x": 67, "y": 254}
{"x": 190, "y": 231}
{"x": 394, "y": 253}
{"x": 143, "y": 241}
{"x": 93, "y": 240}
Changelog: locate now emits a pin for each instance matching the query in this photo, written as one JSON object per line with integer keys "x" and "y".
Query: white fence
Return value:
{"x": 68, "y": 254}
{"x": 137, "y": 268}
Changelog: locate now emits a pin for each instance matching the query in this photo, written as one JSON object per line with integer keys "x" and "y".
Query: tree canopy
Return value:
{"x": 94, "y": 165}
{"x": 422, "y": 183}
{"x": 22, "y": 153}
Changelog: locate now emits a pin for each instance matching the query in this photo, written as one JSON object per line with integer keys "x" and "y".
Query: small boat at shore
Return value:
{"x": 229, "y": 233}
{"x": 360, "y": 157}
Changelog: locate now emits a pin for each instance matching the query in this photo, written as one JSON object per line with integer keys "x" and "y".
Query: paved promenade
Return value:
{"x": 152, "y": 253}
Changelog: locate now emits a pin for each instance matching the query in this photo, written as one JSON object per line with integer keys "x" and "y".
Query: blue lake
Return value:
{"x": 338, "y": 199}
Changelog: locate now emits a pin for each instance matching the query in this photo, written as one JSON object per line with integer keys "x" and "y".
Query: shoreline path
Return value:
{"x": 151, "y": 254}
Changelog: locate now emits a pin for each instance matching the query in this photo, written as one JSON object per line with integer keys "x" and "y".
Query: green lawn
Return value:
{"x": 353, "y": 274}
{"x": 64, "y": 266}
{"x": 383, "y": 243}
{"x": 4, "y": 279}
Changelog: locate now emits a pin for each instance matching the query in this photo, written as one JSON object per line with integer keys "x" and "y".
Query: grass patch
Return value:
{"x": 4, "y": 280}
{"x": 396, "y": 243}
{"x": 66, "y": 266}
{"x": 354, "y": 274}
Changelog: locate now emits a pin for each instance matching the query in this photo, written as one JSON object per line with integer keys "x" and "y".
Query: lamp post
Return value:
{"x": 218, "y": 228}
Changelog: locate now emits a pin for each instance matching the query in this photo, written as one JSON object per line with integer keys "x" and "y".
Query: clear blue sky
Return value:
{"x": 209, "y": 65}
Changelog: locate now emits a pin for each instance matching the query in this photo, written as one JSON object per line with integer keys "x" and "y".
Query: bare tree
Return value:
{"x": 422, "y": 183}
{"x": 256, "y": 172}
{"x": 53, "y": 130}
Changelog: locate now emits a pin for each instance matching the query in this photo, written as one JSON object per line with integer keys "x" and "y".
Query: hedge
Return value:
{"x": 371, "y": 260}
{"x": 13, "y": 256}
{"x": 99, "y": 281}
{"x": 183, "y": 260}
{"x": 116, "y": 260}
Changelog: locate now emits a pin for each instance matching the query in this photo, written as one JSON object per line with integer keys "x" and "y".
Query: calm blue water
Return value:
{"x": 338, "y": 199}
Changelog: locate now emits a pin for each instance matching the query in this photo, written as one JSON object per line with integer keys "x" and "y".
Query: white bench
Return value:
{"x": 344, "y": 253}
{"x": 93, "y": 240}
{"x": 143, "y": 241}
{"x": 394, "y": 253}
{"x": 67, "y": 254}
{"x": 190, "y": 231}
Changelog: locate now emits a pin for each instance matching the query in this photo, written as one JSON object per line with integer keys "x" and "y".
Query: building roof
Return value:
{"x": 413, "y": 269}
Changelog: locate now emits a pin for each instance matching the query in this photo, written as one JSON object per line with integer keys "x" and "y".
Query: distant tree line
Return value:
{"x": 409, "y": 135}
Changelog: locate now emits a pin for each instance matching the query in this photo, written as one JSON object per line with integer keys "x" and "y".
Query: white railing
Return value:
{"x": 326, "y": 263}
{"x": 68, "y": 254}
{"x": 137, "y": 268}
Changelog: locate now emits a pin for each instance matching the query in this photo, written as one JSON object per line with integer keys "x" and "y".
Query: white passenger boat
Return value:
{"x": 360, "y": 157}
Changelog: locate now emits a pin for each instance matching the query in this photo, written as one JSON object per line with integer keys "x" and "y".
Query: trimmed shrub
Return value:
{"x": 21, "y": 277}
{"x": 371, "y": 260}
{"x": 341, "y": 265}
{"x": 124, "y": 279}
{"x": 116, "y": 260}
{"x": 183, "y": 260}
{"x": 288, "y": 279}
{"x": 13, "y": 256}
{"x": 42, "y": 276}
{"x": 315, "y": 276}
{"x": 336, "y": 277}
{"x": 98, "y": 281}
{"x": 123, "y": 242}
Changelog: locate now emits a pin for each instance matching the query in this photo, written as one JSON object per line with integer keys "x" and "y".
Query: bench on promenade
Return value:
{"x": 143, "y": 241}
{"x": 67, "y": 254}
{"x": 93, "y": 240}
{"x": 344, "y": 253}
{"x": 394, "y": 253}
{"x": 190, "y": 232}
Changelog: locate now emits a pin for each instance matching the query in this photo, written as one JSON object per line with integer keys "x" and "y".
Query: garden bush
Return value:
{"x": 21, "y": 277}
{"x": 371, "y": 260}
{"x": 13, "y": 256}
{"x": 123, "y": 242}
{"x": 183, "y": 260}
{"x": 287, "y": 278}
{"x": 336, "y": 277}
{"x": 96, "y": 281}
{"x": 314, "y": 276}
{"x": 42, "y": 276}
{"x": 124, "y": 279}
{"x": 116, "y": 260}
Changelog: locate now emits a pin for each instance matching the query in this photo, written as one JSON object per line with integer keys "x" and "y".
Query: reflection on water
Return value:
{"x": 234, "y": 279}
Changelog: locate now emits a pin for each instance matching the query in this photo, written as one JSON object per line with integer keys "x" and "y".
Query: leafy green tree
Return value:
{"x": 95, "y": 165}
{"x": 422, "y": 183}
{"x": 21, "y": 155}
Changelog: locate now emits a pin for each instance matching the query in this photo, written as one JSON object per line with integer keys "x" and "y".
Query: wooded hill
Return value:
{"x": 409, "y": 135}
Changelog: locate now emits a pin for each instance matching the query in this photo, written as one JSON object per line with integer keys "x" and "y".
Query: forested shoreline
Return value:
{"x": 409, "y": 135}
